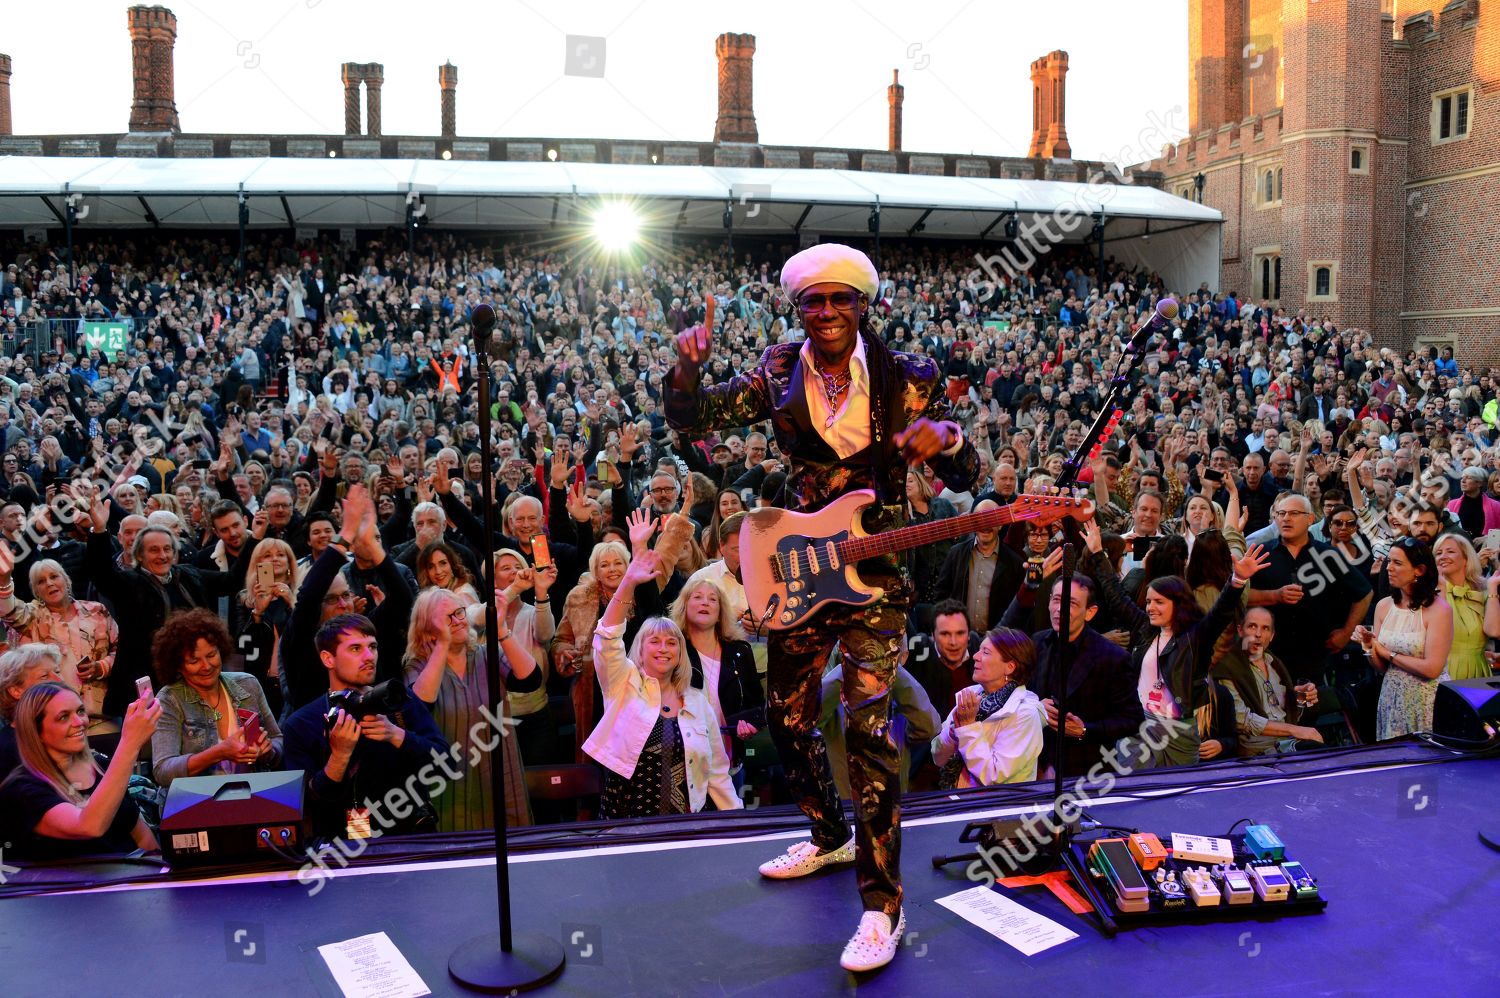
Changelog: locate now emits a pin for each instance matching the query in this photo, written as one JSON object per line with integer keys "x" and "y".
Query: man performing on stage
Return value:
{"x": 848, "y": 414}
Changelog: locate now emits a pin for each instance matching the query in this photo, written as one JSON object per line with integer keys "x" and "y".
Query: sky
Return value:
{"x": 820, "y": 77}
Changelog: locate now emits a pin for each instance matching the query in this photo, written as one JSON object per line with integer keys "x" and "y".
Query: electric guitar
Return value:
{"x": 793, "y": 563}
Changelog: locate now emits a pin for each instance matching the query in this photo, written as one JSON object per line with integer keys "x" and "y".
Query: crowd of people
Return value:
{"x": 250, "y": 541}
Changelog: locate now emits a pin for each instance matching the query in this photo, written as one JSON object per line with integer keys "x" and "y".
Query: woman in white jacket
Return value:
{"x": 994, "y": 732}
{"x": 658, "y": 738}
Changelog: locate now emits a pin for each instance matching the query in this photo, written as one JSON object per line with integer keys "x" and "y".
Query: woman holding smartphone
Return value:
{"x": 60, "y": 802}
{"x": 1410, "y": 642}
{"x": 211, "y": 721}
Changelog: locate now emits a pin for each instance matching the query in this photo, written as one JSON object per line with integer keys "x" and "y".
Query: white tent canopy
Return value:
{"x": 125, "y": 192}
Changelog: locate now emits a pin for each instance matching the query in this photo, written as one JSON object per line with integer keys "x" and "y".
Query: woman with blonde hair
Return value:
{"x": 447, "y": 671}
{"x": 59, "y": 802}
{"x": 83, "y": 632}
{"x": 723, "y": 664}
{"x": 572, "y": 645}
{"x": 268, "y": 604}
{"x": 658, "y": 737}
{"x": 1463, "y": 588}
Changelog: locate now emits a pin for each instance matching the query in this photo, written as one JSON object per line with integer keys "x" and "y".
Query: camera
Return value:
{"x": 383, "y": 698}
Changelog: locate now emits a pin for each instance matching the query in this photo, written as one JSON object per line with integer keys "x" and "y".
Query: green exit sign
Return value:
{"x": 110, "y": 338}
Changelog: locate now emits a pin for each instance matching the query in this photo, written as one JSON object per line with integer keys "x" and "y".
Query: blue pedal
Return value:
{"x": 1264, "y": 844}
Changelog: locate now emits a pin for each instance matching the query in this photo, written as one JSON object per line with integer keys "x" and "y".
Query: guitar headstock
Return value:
{"x": 1052, "y": 505}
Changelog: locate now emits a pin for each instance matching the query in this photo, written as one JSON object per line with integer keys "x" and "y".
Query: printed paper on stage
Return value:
{"x": 372, "y": 967}
{"x": 1007, "y": 920}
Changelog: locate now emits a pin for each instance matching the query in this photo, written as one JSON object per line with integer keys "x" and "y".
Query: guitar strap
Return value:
{"x": 881, "y": 363}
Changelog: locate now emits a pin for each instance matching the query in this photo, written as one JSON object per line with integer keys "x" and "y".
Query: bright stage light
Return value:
{"x": 616, "y": 226}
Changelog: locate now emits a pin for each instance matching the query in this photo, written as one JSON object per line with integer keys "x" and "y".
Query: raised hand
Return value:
{"x": 441, "y": 483}
{"x": 1251, "y": 562}
{"x": 1093, "y": 538}
{"x": 641, "y": 526}
{"x": 643, "y": 567}
{"x": 562, "y": 465}
{"x": 578, "y": 503}
{"x": 629, "y": 442}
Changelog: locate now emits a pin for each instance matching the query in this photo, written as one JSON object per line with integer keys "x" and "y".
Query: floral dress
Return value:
{"x": 91, "y": 634}
{"x": 1405, "y": 700}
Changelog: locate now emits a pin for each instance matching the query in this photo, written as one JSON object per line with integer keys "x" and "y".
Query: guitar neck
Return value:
{"x": 860, "y": 548}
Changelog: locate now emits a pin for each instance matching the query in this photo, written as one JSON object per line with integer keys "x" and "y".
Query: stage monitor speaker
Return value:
{"x": 241, "y": 817}
{"x": 1464, "y": 707}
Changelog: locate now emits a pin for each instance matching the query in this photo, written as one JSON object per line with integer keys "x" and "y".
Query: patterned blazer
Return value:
{"x": 816, "y": 475}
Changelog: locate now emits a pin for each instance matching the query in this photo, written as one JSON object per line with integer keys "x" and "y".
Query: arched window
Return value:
{"x": 1278, "y": 184}
{"x": 1277, "y": 281}
{"x": 1270, "y": 185}
{"x": 1265, "y": 277}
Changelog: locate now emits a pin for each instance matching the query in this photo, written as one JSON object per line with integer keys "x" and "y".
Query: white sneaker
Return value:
{"x": 874, "y": 943}
{"x": 804, "y": 858}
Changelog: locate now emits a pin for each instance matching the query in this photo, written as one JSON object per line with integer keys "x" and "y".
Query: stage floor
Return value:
{"x": 1412, "y": 910}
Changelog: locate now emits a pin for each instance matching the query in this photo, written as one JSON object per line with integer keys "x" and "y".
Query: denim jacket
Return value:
{"x": 187, "y": 727}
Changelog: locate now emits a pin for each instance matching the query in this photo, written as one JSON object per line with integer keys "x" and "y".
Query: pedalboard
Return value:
{"x": 1200, "y": 878}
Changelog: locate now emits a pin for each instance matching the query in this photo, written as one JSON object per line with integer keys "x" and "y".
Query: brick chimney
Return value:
{"x": 4, "y": 95}
{"x": 374, "y": 77}
{"x": 736, "y": 98}
{"x": 352, "y": 73}
{"x": 1216, "y": 63}
{"x": 448, "y": 81}
{"x": 1049, "y": 133}
{"x": 153, "y": 33}
{"x": 894, "y": 95}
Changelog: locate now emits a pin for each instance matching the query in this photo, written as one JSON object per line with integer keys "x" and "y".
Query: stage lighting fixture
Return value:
{"x": 616, "y": 225}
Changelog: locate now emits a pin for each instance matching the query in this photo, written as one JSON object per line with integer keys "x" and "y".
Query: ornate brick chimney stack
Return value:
{"x": 736, "y": 98}
{"x": 352, "y": 73}
{"x": 153, "y": 33}
{"x": 448, "y": 81}
{"x": 1049, "y": 133}
{"x": 894, "y": 95}
{"x": 374, "y": 77}
{"x": 1038, "y": 101}
{"x": 4, "y": 95}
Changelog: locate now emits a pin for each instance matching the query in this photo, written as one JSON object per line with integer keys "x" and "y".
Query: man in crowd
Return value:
{"x": 981, "y": 574}
{"x": 1102, "y": 703}
{"x": 352, "y": 764}
{"x": 1303, "y": 584}
{"x": 943, "y": 661}
{"x": 1268, "y": 703}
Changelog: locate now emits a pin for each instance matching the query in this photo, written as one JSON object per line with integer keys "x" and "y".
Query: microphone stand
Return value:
{"x": 529, "y": 960}
{"x": 1104, "y": 423}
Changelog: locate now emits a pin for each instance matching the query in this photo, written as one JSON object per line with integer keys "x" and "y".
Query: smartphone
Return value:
{"x": 1212, "y": 475}
{"x": 249, "y": 724}
{"x": 578, "y": 476}
{"x": 265, "y": 575}
{"x": 143, "y": 686}
{"x": 541, "y": 554}
{"x": 1492, "y": 541}
{"x": 202, "y": 464}
{"x": 602, "y": 468}
{"x": 1141, "y": 545}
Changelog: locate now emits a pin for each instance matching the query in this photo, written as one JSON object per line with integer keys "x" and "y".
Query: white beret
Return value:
{"x": 829, "y": 263}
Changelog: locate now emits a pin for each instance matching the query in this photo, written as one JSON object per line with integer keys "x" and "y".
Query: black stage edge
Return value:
{"x": 1411, "y": 894}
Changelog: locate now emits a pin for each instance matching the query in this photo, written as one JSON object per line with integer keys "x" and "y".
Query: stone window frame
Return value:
{"x": 1363, "y": 148}
{"x": 1313, "y": 266}
{"x": 1271, "y": 255}
{"x": 1436, "y": 122}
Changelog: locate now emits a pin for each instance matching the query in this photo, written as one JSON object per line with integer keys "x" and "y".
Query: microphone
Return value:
{"x": 1160, "y": 322}
{"x": 483, "y": 320}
